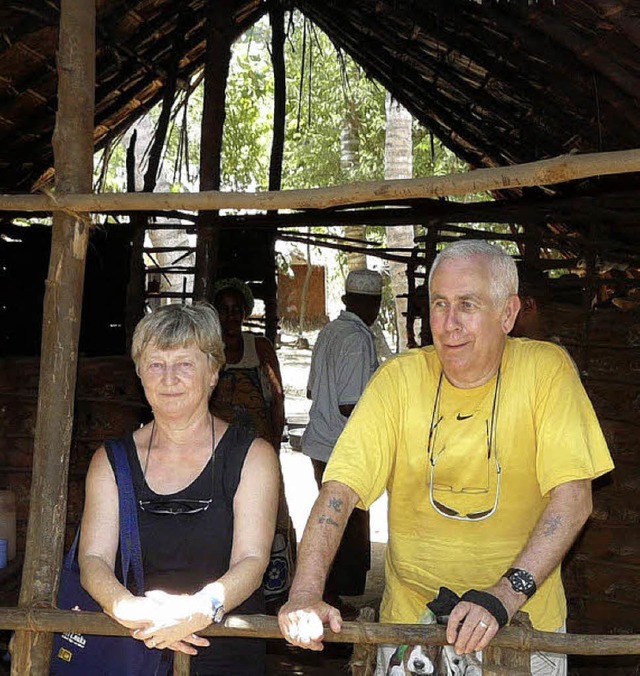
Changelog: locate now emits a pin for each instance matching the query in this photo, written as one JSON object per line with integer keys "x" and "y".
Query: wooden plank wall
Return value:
{"x": 602, "y": 572}
{"x": 109, "y": 403}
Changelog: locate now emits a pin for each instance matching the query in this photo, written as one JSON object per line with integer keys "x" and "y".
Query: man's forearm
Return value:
{"x": 322, "y": 536}
{"x": 555, "y": 532}
{"x": 557, "y": 529}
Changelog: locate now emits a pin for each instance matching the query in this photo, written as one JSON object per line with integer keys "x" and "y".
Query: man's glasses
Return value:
{"x": 176, "y": 506}
{"x": 433, "y": 458}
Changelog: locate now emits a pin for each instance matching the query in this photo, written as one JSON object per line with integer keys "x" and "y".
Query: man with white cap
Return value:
{"x": 344, "y": 358}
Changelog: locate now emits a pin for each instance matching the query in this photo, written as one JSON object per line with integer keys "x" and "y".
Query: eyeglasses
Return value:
{"x": 176, "y": 506}
{"x": 441, "y": 508}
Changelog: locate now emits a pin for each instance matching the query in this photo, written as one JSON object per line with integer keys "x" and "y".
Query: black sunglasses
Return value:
{"x": 176, "y": 506}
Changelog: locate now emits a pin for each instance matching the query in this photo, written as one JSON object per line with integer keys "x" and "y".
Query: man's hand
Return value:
{"x": 471, "y": 627}
{"x": 301, "y": 620}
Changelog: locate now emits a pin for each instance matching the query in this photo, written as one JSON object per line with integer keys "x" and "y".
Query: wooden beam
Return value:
{"x": 73, "y": 150}
{"x": 544, "y": 172}
{"x": 512, "y": 637}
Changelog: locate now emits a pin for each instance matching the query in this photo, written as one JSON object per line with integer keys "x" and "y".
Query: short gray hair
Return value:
{"x": 504, "y": 273}
{"x": 175, "y": 325}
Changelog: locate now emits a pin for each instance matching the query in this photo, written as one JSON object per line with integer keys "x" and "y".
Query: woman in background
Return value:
{"x": 250, "y": 394}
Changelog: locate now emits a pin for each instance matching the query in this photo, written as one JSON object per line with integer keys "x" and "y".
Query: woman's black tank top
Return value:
{"x": 183, "y": 553}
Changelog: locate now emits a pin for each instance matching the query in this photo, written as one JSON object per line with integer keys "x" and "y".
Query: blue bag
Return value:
{"x": 83, "y": 654}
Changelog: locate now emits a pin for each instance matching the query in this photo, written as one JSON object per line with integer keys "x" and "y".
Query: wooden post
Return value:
{"x": 363, "y": 660}
{"x": 270, "y": 284}
{"x": 181, "y": 664}
{"x": 73, "y": 150}
{"x": 216, "y": 71}
{"x": 502, "y": 661}
{"x": 137, "y": 278}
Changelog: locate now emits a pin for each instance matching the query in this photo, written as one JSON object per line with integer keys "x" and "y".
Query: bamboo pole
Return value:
{"x": 264, "y": 626}
{"x": 73, "y": 150}
{"x": 544, "y": 172}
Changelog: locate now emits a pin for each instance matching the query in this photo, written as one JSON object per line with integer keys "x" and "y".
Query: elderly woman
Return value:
{"x": 200, "y": 562}
{"x": 250, "y": 394}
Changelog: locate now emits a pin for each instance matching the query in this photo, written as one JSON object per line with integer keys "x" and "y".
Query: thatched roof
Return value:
{"x": 499, "y": 83}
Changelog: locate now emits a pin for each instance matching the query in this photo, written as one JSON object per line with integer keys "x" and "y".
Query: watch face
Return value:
{"x": 218, "y": 613}
{"x": 521, "y": 581}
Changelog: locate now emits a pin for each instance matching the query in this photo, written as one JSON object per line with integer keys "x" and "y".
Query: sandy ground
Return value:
{"x": 300, "y": 486}
{"x": 301, "y": 492}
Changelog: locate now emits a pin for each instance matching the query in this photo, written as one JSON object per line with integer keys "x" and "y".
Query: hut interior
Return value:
{"x": 499, "y": 83}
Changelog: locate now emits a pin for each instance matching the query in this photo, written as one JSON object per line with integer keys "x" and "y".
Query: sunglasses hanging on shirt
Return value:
{"x": 175, "y": 506}
{"x": 432, "y": 458}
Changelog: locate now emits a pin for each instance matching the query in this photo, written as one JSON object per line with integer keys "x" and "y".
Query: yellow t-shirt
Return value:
{"x": 545, "y": 434}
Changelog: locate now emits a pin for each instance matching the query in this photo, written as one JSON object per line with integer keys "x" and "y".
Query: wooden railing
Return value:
{"x": 511, "y": 639}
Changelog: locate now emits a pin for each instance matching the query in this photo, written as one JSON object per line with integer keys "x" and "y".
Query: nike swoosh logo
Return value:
{"x": 463, "y": 417}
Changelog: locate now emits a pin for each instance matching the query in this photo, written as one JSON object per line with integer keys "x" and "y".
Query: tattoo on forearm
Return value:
{"x": 552, "y": 525}
{"x": 335, "y": 504}
{"x": 328, "y": 520}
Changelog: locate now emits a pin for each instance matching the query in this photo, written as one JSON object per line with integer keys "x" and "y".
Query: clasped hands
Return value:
{"x": 165, "y": 620}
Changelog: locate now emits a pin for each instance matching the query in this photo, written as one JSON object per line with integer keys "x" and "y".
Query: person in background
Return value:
{"x": 249, "y": 390}
{"x": 250, "y": 394}
{"x": 343, "y": 360}
{"x": 487, "y": 446}
{"x": 207, "y": 497}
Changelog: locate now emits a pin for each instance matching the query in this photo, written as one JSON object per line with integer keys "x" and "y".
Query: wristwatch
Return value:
{"x": 216, "y": 607}
{"x": 521, "y": 581}
{"x": 217, "y": 610}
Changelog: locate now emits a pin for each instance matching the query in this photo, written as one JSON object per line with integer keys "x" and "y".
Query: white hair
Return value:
{"x": 504, "y": 273}
{"x": 175, "y": 325}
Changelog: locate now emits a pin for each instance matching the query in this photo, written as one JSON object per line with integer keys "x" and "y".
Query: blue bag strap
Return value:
{"x": 70, "y": 556}
{"x": 130, "y": 549}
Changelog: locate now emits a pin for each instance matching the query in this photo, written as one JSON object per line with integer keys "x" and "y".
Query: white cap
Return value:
{"x": 364, "y": 282}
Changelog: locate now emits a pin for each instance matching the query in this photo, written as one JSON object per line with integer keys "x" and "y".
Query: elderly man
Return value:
{"x": 344, "y": 359}
{"x": 487, "y": 446}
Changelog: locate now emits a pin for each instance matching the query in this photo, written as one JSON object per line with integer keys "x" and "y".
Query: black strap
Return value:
{"x": 490, "y": 603}
{"x": 443, "y": 604}
{"x": 447, "y": 600}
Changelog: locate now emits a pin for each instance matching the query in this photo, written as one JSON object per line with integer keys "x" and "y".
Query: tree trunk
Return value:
{"x": 350, "y": 164}
{"x": 398, "y": 163}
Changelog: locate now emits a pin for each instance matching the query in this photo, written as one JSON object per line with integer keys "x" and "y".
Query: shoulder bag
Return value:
{"x": 83, "y": 654}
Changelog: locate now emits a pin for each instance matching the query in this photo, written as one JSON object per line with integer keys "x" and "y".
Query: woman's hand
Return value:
{"x": 135, "y": 612}
{"x": 175, "y": 622}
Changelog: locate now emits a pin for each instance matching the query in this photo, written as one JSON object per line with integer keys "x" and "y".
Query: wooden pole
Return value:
{"x": 544, "y": 172}
{"x": 270, "y": 283}
{"x": 363, "y": 660}
{"x": 136, "y": 287}
{"x": 501, "y": 661}
{"x": 73, "y": 151}
{"x": 216, "y": 71}
{"x": 263, "y": 626}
